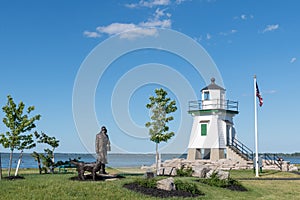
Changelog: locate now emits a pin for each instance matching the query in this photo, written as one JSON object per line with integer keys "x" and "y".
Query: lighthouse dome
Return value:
{"x": 213, "y": 86}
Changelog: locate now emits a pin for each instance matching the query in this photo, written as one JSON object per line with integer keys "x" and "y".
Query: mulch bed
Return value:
{"x": 158, "y": 192}
{"x": 231, "y": 187}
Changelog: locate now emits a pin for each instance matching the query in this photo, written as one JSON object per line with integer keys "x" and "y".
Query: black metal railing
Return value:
{"x": 213, "y": 104}
{"x": 241, "y": 149}
{"x": 273, "y": 159}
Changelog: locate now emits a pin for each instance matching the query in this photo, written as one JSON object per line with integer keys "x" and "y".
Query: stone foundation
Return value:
{"x": 217, "y": 154}
{"x": 169, "y": 167}
{"x": 214, "y": 154}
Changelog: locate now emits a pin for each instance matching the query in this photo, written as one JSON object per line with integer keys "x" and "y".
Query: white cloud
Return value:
{"x": 178, "y": 2}
{"x": 127, "y": 31}
{"x": 91, "y": 34}
{"x": 228, "y": 32}
{"x": 142, "y": 29}
{"x": 149, "y": 4}
{"x": 271, "y": 28}
{"x": 198, "y": 39}
{"x": 157, "y": 23}
{"x": 115, "y": 28}
{"x": 161, "y": 13}
{"x": 131, "y": 31}
{"x": 131, "y": 5}
{"x": 159, "y": 19}
{"x": 138, "y": 32}
{"x": 244, "y": 17}
{"x": 293, "y": 60}
{"x": 152, "y": 3}
{"x": 208, "y": 36}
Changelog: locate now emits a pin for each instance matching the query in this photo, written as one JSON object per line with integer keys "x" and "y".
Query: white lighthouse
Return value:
{"x": 213, "y": 128}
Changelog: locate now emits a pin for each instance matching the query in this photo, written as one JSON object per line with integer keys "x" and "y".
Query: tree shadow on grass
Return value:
{"x": 11, "y": 178}
{"x": 99, "y": 177}
{"x": 268, "y": 173}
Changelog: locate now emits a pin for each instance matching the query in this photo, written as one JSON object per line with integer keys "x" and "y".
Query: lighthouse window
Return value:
{"x": 206, "y": 95}
{"x": 203, "y": 129}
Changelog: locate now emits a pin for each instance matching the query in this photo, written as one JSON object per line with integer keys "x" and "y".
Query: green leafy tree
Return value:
{"x": 160, "y": 106}
{"x": 48, "y": 157}
{"x": 18, "y": 123}
{"x": 37, "y": 158}
{"x": 27, "y": 142}
{"x": 47, "y": 160}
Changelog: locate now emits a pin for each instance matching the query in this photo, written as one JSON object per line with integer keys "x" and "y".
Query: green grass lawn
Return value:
{"x": 59, "y": 186}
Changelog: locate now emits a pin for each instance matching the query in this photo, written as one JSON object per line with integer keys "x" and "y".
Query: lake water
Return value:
{"x": 115, "y": 160}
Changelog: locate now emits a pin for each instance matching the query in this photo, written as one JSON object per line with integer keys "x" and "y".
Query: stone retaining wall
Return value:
{"x": 169, "y": 167}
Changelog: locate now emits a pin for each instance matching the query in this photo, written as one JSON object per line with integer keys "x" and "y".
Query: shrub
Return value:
{"x": 229, "y": 183}
{"x": 187, "y": 187}
{"x": 149, "y": 182}
{"x": 215, "y": 181}
{"x": 186, "y": 172}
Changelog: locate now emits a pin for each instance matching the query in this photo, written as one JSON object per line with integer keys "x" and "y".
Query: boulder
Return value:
{"x": 174, "y": 172}
{"x": 223, "y": 175}
{"x": 166, "y": 184}
{"x": 172, "y": 163}
{"x": 220, "y": 174}
{"x": 168, "y": 171}
{"x": 293, "y": 168}
{"x": 161, "y": 171}
{"x": 200, "y": 171}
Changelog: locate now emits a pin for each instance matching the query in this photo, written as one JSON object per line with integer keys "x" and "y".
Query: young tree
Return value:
{"x": 160, "y": 106}
{"x": 18, "y": 124}
{"x": 37, "y": 158}
{"x": 27, "y": 143}
{"x": 48, "y": 157}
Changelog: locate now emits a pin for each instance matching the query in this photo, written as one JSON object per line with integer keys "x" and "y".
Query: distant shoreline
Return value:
{"x": 296, "y": 154}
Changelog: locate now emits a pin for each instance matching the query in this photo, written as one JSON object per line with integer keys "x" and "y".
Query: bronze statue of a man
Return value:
{"x": 102, "y": 146}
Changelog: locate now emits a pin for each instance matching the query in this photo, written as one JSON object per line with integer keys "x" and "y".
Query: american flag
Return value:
{"x": 259, "y": 96}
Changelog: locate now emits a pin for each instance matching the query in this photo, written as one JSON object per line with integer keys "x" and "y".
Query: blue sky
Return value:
{"x": 43, "y": 46}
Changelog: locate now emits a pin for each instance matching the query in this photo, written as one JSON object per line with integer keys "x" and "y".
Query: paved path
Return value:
{"x": 270, "y": 179}
{"x": 275, "y": 179}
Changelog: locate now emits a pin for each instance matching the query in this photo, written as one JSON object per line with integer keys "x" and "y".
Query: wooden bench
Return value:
{"x": 63, "y": 168}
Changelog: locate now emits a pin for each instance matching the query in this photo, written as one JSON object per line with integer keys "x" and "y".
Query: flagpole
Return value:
{"x": 255, "y": 126}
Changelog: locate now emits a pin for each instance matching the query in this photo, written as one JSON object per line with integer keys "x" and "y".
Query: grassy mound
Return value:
{"x": 229, "y": 183}
{"x": 148, "y": 187}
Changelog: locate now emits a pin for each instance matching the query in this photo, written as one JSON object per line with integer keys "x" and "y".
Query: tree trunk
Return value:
{"x": 10, "y": 162}
{"x": 157, "y": 158}
{"x": 19, "y": 162}
{"x": 52, "y": 167}
{"x": 53, "y": 155}
{"x": 0, "y": 168}
{"x": 39, "y": 164}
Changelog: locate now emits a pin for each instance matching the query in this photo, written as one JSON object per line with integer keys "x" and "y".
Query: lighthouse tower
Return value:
{"x": 213, "y": 127}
